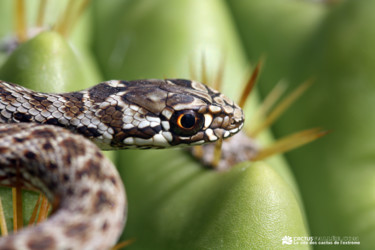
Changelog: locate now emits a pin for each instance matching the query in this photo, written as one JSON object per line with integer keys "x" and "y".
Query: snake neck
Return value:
{"x": 76, "y": 111}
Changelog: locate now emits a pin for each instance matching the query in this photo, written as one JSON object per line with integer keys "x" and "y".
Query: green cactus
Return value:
{"x": 176, "y": 203}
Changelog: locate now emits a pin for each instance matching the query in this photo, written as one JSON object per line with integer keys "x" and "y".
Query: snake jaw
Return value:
{"x": 226, "y": 120}
{"x": 236, "y": 122}
{"x": 228, "y": 126}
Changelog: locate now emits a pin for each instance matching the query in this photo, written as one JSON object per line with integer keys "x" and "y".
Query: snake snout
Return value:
{"x": 237, "y": 118}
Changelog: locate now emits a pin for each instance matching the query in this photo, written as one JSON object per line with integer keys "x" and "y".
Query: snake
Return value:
{"x": 52, "y": 142}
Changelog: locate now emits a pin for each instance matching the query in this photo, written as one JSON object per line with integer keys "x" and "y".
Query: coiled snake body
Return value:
{"x": 84, "y": 187}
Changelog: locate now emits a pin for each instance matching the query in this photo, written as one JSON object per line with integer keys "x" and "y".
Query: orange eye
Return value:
{"x": 186, "y": 122}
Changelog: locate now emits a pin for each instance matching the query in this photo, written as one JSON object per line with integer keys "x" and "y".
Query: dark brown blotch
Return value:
{"x": 68, "y": 113}
{"x": 177, "y": 99}
{"x": 46, "y": 103}
{"x": 67, "y": 159}
{"x": 4, "y": 92}
{"x": 52, "y": 166}
{"x": 181, "y": 82}
{"x": 84, "y": 192}
{"x": 39, "y": 98}
{"x": 74, "y": 149}
{"x": 42, "y": 242}
{"x": 116, "y": 123}
{"x": 78, "y": 230}
{"x": 102, "y": 201}
{"x": 110, "y": 110}
{"x": 47, "y": 146}
{"x": 30, "y": 155}
{"x": 43, "y": 133}
{"x": 113, "y": 180}
{"x": 106, "y": 119}
{"x": 74, "y": 110}
{"x": 94, "y": 132}
{"x": 91, "y": 169}
{"x": 150, "y": 131}
{"x": 88, "y": 132}
{"x": 6, "y": 130}
{"x": 102, "y": 91}
{"x": 69, "y": 191}
{"x": 54, "y": 121}
{"x": 105, "y": 226}
{"x": 17, "y": 139}
{"x": 4, "y": 150}
{"x": 69, "y": 104}
{"x": 21, "y": 117}
{"x": 65, "y": 177}
{"x": 74, "y": 96}
{"x": 99, "y": 155}
{"x": 117, "y": 115}
{"x": 135, "y": 132}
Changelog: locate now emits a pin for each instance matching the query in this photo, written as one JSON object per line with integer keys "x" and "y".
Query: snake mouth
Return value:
{"x": 234, "y": 124}
{"x": 229, "y": 127}
{"x": 233, "y": 129}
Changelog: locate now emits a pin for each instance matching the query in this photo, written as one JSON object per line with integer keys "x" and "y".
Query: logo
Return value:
{"x": 287, "y": 240}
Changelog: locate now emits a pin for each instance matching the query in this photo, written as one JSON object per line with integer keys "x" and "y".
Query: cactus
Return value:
{"x": 174, "y": 201}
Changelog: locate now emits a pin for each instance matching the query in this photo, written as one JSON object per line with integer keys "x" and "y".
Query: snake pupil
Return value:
{"x": 187, "y": 120}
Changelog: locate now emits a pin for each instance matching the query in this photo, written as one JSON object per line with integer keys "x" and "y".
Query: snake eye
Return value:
{"x": 186, "y": 122}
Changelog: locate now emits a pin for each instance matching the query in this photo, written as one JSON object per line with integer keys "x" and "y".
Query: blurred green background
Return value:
{"x": 326, "y": 188}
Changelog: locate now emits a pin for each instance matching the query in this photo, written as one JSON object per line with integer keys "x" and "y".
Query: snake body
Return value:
{"x": 83, "y": 186}
{"x": 38, "y": 152}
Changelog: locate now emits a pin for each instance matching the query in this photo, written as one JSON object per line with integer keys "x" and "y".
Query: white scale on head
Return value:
{"x": 210, "y": 134}
{"x": 135, "y": 117}
{"x": 207, "y": 120}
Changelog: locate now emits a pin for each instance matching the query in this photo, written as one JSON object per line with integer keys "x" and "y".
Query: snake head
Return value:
{"x": 198, "y": 114}
{"x": 178, "y": 113}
